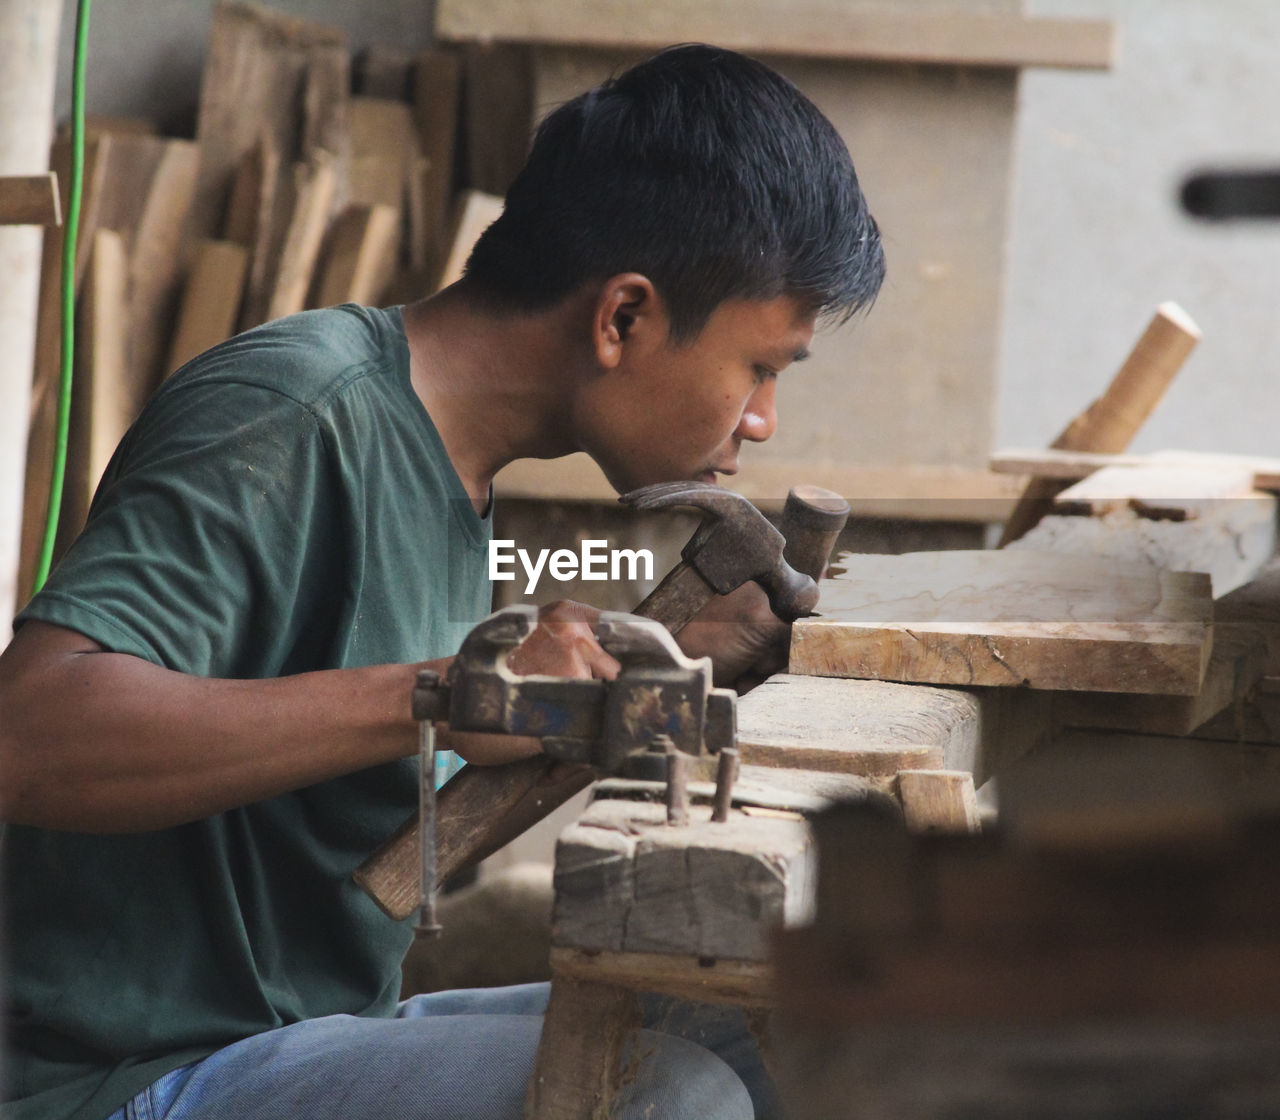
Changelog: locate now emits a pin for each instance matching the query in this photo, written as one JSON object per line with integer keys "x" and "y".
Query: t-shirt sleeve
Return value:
{"x": 211, "y": 536}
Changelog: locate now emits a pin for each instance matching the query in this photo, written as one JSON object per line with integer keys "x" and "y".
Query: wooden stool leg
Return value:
{"x": 579, "y": 1057}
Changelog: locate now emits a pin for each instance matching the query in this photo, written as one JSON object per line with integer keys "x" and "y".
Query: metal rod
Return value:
{"x": 726, "y": 775}
{"x": 427, "y": 925}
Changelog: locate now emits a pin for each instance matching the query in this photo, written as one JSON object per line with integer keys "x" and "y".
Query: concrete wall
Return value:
{"x": 1098, "y": 239}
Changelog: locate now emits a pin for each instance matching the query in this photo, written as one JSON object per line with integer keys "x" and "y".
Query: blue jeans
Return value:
{"x": 461, "y": 1055}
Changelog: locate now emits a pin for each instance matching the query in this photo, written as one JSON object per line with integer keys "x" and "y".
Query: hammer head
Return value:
{"x": 735, "y": 543}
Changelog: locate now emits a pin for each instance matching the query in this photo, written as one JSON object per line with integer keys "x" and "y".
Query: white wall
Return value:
{"x": 1098, "y": 239}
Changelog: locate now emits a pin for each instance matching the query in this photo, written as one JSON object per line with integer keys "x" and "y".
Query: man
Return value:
{"x": 204, "y": 717}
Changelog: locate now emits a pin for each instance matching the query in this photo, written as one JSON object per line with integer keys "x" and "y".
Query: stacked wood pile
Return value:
{"x": 314, "y": 177}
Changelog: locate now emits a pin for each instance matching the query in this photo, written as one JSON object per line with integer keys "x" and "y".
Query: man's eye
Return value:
{"x": 763, "y": 373}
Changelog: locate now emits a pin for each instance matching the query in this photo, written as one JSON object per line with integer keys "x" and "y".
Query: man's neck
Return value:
{"x": 497, "y": 386}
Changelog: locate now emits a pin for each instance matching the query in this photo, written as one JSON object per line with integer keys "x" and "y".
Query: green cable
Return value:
{"x": 75, "y": 188}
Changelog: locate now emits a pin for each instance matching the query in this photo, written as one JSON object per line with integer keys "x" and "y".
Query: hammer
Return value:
{"x": 482, "y": 808}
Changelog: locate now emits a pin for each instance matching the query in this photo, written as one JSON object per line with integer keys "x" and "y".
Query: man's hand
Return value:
{"x": 563, "y": 644}
{"x": 745, "y": 640}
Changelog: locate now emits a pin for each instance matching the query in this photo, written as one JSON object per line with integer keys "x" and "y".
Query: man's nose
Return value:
{"x": 759, "y": 417}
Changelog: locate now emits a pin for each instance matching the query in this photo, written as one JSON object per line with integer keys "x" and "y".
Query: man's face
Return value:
{"x": 680, "y": 412}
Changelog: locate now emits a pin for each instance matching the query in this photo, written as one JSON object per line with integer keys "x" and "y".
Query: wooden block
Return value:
{"x": 475, "y": 212}
{"x": 437, "y": 84}
{"x": 742, "y": 983}
{"x": 303, "y": 236}
{"x": 384, "y": 71}
{"x": 1236, "y": 665}
{"x": 627, "y": 881}
{"x": 1252, "y": 718}
{"x": 359, "y": 257}
{"x": 938, "y": 800}
{"x": 30, "y": 200}
{"x": 1257, "y": 604}
{"x": 106, "y": 397}
{"x": 211, "y": 300}
{"x": 1009, "y": 618}
{"x": 811, "y": 30}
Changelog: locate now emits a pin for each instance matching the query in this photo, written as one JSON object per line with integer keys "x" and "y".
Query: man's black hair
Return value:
{"x": 700, "y": 168}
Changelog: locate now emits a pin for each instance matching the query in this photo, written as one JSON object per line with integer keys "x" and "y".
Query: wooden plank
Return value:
{"x": 359, "y": 258}
{"x": 474, "y": 213}
{"x": 870, "y": 728}
{"x": 1111, "y": 421}
{"x": 1075, "y": 465}
{"x": 1171, "y": 491}
{"x": 384, "y": 71}
{"x": 211, "y": 299}
{"x": 30, "y": 200}
{"x": 106, "y": 396}
{"x": 812, "y": 30}
{"x": 156, "y": 260}
{"x": 938, "y": 800}
{"x": 627, "y": 881}
{"x": 1230, "y": 541}
{"x": 916, "y": 492}
{"x": 304, "y": 234}
{"x": 1236, "y": 665}
{"x": 250, "y": 221}
{"x": 1009, "y": 618}
{"x": 437, "y": 85}
{"x": 578, "y": 1066}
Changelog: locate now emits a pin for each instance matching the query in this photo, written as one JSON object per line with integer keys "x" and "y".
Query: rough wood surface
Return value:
{"x": 814, "y": 29}
{"x": 1009, "y": 618}
{"x": 628, "y": 882}
{"x": 315, "y": 183}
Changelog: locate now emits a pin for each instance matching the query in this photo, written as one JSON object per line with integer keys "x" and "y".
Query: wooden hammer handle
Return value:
{"x": 1111, "y": 422}
{"x": 482, "y": 808}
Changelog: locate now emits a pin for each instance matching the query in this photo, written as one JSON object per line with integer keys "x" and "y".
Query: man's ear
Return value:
{"x": 628, "y": 312}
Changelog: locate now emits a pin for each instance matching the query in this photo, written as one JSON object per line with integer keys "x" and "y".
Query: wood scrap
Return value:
{"x": 248, "y": 222}
{"x": 279, "y": 82}
{"x": 1111, "y": 421}
{"x": 497, "y": 113}
{"x": 1009, "y": 618}
{"x": 211, "y": 299}
{"x": 106, "y": 397}
{"x": 359, "y": 256}
{"x": 30, "y": 200}
{"x": 315, "y": 183}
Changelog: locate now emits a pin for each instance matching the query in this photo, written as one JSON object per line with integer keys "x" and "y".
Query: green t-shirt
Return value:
{"x": 283, "y": 504}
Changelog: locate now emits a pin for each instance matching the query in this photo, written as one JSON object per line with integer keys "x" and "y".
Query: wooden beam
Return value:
{"x": 437, "y": 81}
{"x": 938, "y": 800}
{"x": 811, "y": 30}
{"x": 30, "y": 200}
{"x": 1009, "y": 619}
{"x": 313, "y": 195}
{"x": 359, "y": 258}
